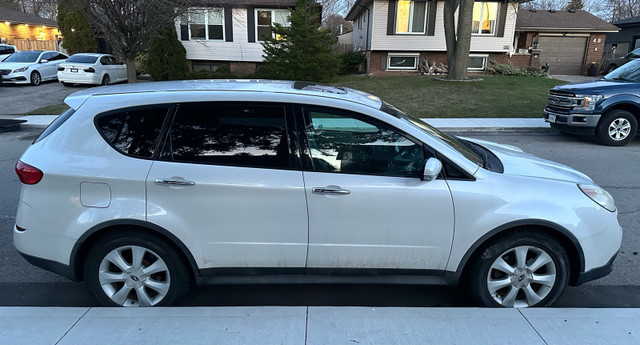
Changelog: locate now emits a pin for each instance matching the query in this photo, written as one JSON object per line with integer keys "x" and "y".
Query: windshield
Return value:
{"x": 23, "y": 57}
{"x": 628, "y": 72}
{"x": 82, "y": 59}
{"x": 451, "y": 140}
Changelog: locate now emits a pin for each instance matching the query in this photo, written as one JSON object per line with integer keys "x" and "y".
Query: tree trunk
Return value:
{"x": 131, "y": 69}
{"x": 458, "y": 41}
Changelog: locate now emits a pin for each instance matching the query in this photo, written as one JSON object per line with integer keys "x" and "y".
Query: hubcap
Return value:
{"x": 619, "y": 129}
{"x": 521, "y": 277}
{"x": 134, "y": 276}
{"x": 36, "y": 78}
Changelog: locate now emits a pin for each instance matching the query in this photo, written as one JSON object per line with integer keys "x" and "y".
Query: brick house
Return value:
{"x": 27, "y": 31}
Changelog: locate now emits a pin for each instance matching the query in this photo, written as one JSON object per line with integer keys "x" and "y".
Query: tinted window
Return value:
{"x": 348, "y": 144}
{"x": 83, "y": 59}
{"x": 23, "y": 57}
{"x": 105, "y": 61}
{"x": 57, "y": 56}
{"x": 6, "y": 50}
{"x": 47, "y": 56}
{"x": 253, "y": 136}
{"x": 133, "y": 132}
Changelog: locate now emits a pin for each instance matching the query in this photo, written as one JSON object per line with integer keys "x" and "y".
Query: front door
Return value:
{"x": 368, "y": 207}
{"x": 228, "y": 184}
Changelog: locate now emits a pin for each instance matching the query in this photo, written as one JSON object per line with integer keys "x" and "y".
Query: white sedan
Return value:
{"x": 31, "y": 66}
{"x": 88, "y": 68}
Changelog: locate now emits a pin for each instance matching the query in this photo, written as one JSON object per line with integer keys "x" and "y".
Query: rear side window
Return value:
{"x": 237, "y": 135}
{"x": 133, "y": 132}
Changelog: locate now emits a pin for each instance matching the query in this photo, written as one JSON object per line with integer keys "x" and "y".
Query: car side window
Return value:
{"x": 46, "y": 56}
{"x": 133, "y": 132}
{"x": 60, "y": 57}
{"x": 236, "y": 135}
{"x": 113, "y": 61}
{"x": 340, "y": 142}
{"x": 105, "y": 61}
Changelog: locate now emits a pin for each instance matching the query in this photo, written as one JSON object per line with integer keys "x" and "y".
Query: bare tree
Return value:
{"x": 544, "y": 5}
{"x": 128, "y": 25}
{"x": 340, "y": 7}
{"x": 622, "y": 9}
{"x": 458, "y": 39}
{"x": 337, "y": 23}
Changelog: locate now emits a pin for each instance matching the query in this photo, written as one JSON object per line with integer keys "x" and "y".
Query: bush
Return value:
{"x": 510, "y": 69}
{"x": 222, "y": 72}
{"x": 74, "y": 24}
{"x": 351, "y": 62}
{"x": 166, "y": 56}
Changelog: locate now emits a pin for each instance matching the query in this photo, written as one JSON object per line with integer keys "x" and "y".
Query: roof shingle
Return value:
{"x": 578, "y": 21}
{"x": 21, "y": 17}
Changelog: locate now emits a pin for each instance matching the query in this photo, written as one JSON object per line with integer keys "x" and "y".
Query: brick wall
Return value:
{"x": 242, "y": 69}
{"x": 595, "y": 48}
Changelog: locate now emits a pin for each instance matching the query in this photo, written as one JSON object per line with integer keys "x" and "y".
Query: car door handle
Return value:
{"x": 330, "y": 190}
{"x": 169, "y": 182}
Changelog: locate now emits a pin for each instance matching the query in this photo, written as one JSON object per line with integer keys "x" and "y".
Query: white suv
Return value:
{"x": 141, "y": 190}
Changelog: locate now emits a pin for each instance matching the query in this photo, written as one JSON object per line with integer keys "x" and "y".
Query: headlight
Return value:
{"x": 587, "y": 102}
{"x": 21, "y": 69}
{"x": 599, "y": 195}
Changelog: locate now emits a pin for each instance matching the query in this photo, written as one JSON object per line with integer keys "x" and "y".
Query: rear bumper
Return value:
{"x": 53, "y": 266}
{"x": 75, "y": 78}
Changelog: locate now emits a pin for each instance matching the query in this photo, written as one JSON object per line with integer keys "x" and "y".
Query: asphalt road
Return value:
{"x": 25, "y": 98}
{"x": 615, "y": 168}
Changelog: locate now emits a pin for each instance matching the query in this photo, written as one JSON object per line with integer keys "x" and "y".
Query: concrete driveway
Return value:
{"x": 20, "y": 99}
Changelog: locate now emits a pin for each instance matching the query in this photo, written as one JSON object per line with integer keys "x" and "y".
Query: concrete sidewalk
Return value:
{"x": 318, "y": 325}
{"x": 448, "y": 124}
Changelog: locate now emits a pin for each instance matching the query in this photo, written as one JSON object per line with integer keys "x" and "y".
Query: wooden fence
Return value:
{"x": 33, "y": 44}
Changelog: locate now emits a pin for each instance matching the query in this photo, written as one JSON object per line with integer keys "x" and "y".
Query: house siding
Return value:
{"x": 362, "y": 33}
{"x": 412, "y": 43}
{"x": 238, "y": 50}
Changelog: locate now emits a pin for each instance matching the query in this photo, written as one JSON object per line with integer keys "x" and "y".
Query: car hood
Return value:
{"x": 14, "y": 65}
{"x": 518, "y": 162}
{"x": 598, "y": 87}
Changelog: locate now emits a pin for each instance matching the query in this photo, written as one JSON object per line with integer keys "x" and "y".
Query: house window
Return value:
{"x": 411, "y": 17}
{"x": 206, "y": 24}
{"x": 401, "y": 61}
{"x": 477, "y": 62}
{"x": 485, "y": 15}
{"x": 265, "y": 18}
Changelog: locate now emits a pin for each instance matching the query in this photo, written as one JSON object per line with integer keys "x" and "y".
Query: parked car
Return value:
{"x": 142, "y": 189}
{"x": 615, "y": 63}
{"x": 92, "y": 69}
{"x": 608, "y": 108}
{"x": 6, "y": 50}
{"x": 31, "y": 66}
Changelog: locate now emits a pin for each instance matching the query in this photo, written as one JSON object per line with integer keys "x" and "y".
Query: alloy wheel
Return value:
{"x": 134, "y": 276}
{"x": 35, "y": 78}
{"x": 619, "y": 129}
{"x": 521, "y": 277}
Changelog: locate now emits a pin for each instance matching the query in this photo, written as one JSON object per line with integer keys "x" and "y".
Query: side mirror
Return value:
{"x": 432, "y": 169}
{"x": 44, "y": 61}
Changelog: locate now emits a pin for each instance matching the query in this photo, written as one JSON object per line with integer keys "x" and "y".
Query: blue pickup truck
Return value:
{"x": 608, "y": 108}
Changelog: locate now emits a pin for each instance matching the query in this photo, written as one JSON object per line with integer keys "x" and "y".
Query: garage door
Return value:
{"x": 565, "y": 55}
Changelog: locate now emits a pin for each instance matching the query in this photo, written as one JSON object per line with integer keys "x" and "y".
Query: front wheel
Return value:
{"x": 617, "y": 128}
{"x": 525, "y": 268}
{"x": 35, "y": 79}
{"x": 135, "y": 268}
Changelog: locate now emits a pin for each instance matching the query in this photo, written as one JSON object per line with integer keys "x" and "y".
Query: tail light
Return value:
{"x": 60, "y": 69}
{"x": 90, "y": 70}
{"x": 28, "y": 174}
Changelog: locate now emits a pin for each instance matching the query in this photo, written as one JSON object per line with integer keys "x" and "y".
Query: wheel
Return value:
{"x": 134, "y": 268}
{"x": 611, "y": 68}
{"x": 36, "y": 79}
{"x": 106, "y": 80}
{"x": 67, "y": 84}
{"x": 617, "y": 128}
{"x": 525, "y": 268}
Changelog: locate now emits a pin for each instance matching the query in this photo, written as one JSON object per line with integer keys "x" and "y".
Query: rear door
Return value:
{"x": 229, "y": 184}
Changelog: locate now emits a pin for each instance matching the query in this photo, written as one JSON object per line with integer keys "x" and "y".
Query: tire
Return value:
{"x": 35, "y": 78}
{"x": 106, "y": 80}
{"x": 497, "y": 278}
{"x": 115, "y": 268}
{"x": 67, "y": 84}
{"x": 617, "y": 128}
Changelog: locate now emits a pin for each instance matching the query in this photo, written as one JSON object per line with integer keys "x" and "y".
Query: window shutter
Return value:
{"x": 184, "y": 32}
{"x": 251, "y": 25}
{"x": 502, "y": 19}
{"x": 391, "y": 18}
{"x": 432, "y": 8}
{"x": 228, "y": 24}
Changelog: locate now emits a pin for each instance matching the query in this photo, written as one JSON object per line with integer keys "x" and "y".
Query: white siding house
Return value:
{"x": 227, "y": 33}
{"x": 397, "y": 34}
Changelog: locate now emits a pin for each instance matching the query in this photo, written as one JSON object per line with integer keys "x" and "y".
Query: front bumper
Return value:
{"x": 15, "y": 78}
{"x": 595, "y": 273}
{"x": 574, "y": 123}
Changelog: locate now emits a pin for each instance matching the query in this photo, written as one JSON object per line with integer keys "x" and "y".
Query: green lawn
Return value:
{"x": 54, "y": 109}
{"x": 424, "y": 96}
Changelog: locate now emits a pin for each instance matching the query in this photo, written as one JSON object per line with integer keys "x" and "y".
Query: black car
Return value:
{"x": 615, "y": 63}
{"x": 608, "y": 108}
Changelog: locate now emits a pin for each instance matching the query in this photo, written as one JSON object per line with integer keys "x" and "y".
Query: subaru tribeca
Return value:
{"x": 143, "y": 190}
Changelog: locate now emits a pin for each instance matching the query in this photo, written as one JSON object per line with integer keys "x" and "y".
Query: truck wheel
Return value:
{"x": 617, "y": 128}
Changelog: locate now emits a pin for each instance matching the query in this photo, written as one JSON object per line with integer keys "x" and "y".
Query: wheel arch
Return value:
{"x": 630, "y": 105}
{"x": 562, "y": 235}
{"x": 85, "y": 242}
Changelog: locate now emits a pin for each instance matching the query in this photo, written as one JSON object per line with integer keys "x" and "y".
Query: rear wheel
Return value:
{"x": 617, "y": 128}
{"x": 35, "y": 78}
{"x": 106, "y": 80}
{"x": 525, "y": 268}
{"x": 135, "y": 268}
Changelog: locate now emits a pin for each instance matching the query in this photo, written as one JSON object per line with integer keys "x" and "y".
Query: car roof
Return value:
{"x": 226, "y": 85}
{"x": 90, "y": 54}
